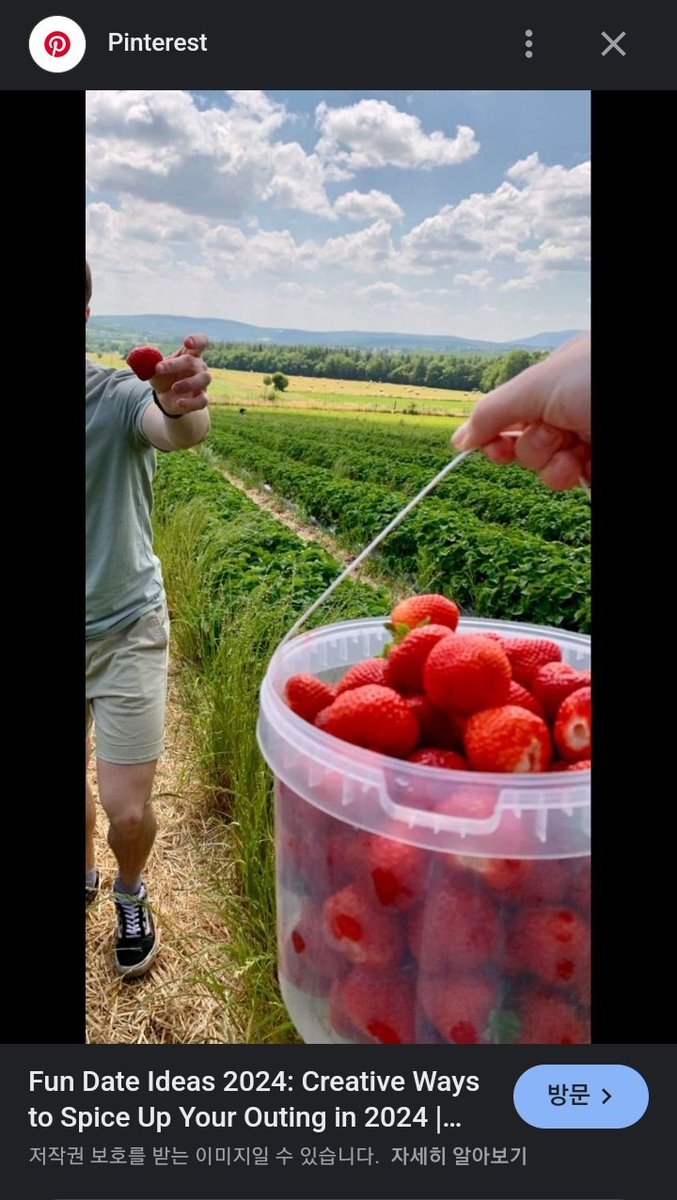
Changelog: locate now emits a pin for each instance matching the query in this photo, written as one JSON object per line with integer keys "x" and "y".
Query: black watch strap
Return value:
{"x": 170, "y": 416}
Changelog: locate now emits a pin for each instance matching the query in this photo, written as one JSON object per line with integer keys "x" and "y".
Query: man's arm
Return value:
{"x": 179, "y": 383}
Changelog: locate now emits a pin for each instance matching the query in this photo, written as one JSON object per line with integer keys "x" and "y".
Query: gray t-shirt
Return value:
{"x": 124, "y": 577}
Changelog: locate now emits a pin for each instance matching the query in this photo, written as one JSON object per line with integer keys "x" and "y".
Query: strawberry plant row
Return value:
{"x": 332, "y": 437}
{"x": 561, "y": 517}
{"x": 265, "y": 552}
{"x": 492, "y": 570}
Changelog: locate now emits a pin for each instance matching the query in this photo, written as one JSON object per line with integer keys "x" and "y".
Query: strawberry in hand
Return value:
{"x": 180, "y": 379}
{"x": 143, "y": 360}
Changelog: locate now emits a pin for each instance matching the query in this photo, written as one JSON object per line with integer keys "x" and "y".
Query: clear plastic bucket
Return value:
{"x": 421, "y": 905}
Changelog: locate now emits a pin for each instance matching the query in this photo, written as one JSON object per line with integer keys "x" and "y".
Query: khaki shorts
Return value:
{"x": 127, "y": 689}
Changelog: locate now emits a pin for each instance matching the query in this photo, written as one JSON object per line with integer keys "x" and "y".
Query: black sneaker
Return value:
{"x": 137, "y": 940}
{"x": 92, "y": 892}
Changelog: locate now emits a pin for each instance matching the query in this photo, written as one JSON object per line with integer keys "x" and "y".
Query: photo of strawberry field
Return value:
{"x": 251, "y": 529}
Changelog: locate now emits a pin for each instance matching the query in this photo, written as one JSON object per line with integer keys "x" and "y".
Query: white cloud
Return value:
{"x": 373, "y": 133}
{"x": 165, "y": 147}
{"x": 383, "y": 291}
{"x": 543, "y": 223}
{"x": 367, "y": 206}
{"x": 481, "y": 278}
{"x": 362, "y": 251}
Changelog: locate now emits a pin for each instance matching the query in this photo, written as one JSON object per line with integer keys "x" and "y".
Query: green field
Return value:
{"x": 494, "y": 539}
{"x": 245, "y": 388}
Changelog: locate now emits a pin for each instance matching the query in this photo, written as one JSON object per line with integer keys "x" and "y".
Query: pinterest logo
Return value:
{"x": 57, "y": 44}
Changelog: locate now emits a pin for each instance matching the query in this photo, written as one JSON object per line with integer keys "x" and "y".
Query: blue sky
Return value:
{"x": 425, "y": 211}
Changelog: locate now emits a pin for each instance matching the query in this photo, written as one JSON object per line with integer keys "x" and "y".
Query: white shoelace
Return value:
{"x": 131, "y": 917}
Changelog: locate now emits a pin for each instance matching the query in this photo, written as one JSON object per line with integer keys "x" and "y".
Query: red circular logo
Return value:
{"x": 57, "y": 44}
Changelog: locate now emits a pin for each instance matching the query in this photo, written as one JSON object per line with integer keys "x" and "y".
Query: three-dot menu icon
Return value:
{"x": 528, "y": 33}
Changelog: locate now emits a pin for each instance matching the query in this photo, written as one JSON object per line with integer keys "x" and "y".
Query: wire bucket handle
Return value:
{"x": 380, "y": 537}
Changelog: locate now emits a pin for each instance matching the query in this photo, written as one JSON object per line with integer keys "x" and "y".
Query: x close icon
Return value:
{"x": 613, "y": 43}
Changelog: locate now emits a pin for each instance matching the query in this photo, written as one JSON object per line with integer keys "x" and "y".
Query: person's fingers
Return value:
{"x": 192, "y": 403}
{"x": 178, "y": 364}
{"x": 563, "y": 471}
{"x": 519, "y": 401}
{"x": 192, "y": 383}
{"x": 194, "y": 344}
{"x": 501, "y": 451}
{"x": 537, "y": 445}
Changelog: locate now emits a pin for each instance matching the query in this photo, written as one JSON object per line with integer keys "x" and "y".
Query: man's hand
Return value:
{"x": 180, "y": 379}
{"x": 540, "y": 419}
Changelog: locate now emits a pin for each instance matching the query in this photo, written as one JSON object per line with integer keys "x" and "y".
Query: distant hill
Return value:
{"x": 163, "y": 329}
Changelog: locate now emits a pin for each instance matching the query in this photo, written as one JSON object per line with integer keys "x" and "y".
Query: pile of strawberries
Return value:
{"x": 463, "y": 701}
{"x": 409, "y": 945}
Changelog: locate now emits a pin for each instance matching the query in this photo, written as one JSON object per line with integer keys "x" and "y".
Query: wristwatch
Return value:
{"x": 170, "y": 416}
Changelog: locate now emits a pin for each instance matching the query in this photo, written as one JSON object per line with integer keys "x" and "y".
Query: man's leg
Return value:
{"x": 125, "y": 791}
{"x": 127, "y": 687}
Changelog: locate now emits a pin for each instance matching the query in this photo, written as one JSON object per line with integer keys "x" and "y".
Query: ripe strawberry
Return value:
{"x": 465, "y": 673}
{"x": 500, "y": 874}
{"x": 406, "y": 659}
{"x": 365, "y": 934}
{"x": 554, "y": 681}
{"x": 547, "y": 1020}
{"x": 584, "y": 764}
{"x": 459, "y": 1009}
{"x": 458, "y": 926}
{"x": 547, "y": 881}
{"x": 432, "y": 756}
{"x": 306, "y": 958}
{"x": 380, "y": 1004}
{"x": 518, "y": 878}
{"x": 396, "y": 871}
{"x": 373, "y": 717}
{"x": 527, "y": 655}
{"x": 338, "y": 1017}
{"x": 437, "y": 729}
{"x": 552, "y": 943}
{"x": 468, "y": 803}
{"x": 370, "y": 670}
{"x": 523, "y": 699}
{"x": 508, "y": 739}
{"x": 573, "y": 726}
{"x": 429, "y": 607}
{"x": 342, "y": 854}
{"x": 143, "y": 360}
{"x": 430, "y": 792}
{"x": 307, "y": 696}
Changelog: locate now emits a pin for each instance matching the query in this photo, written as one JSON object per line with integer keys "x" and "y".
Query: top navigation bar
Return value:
{"x": 591, "y": 46}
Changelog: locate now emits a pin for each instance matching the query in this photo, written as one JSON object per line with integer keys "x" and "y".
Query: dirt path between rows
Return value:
{"x": 281, "y": 509}
{"x": 181, "y": 999}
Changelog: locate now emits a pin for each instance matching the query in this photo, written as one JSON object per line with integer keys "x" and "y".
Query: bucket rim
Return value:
{"x": 303, "y": 732}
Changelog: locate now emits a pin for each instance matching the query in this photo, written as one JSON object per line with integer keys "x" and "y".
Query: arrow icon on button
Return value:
{"x": 607, "y": 1096}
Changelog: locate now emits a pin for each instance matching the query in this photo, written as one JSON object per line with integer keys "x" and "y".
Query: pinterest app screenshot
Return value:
{"x": 350, "y": 294}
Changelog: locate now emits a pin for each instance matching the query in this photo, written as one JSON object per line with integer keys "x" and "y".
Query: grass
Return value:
{"x": 223, "y": 648}
{"x": 245, "y": 388}
{"x": 227, "y": 619}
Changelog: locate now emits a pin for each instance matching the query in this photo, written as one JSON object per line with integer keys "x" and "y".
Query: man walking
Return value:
{"x": 127, "y": 627}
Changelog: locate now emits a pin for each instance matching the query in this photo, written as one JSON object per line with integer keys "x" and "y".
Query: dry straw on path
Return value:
{"x": 187, "y": 994}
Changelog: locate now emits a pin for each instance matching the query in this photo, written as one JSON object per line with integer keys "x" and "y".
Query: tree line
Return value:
{"x": 463, "y": 372}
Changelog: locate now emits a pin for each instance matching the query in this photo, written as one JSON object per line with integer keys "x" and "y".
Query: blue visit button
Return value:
{"x": 562, "y": 1096}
